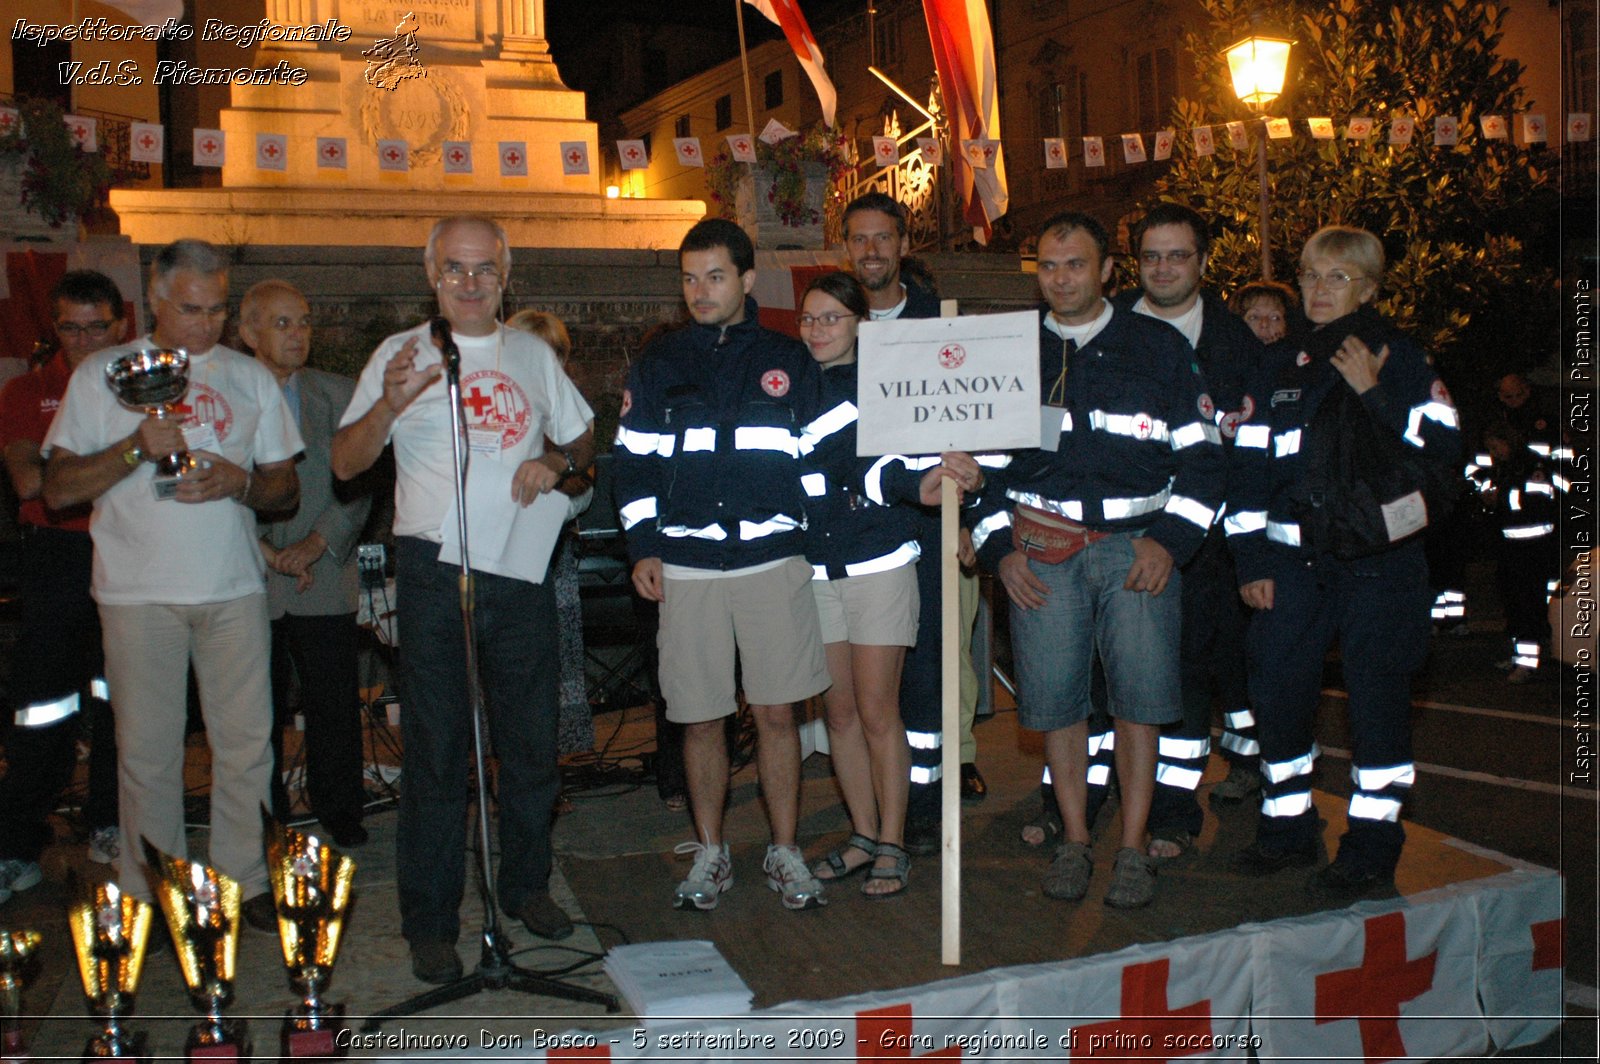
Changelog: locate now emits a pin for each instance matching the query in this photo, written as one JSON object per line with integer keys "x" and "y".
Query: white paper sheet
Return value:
{"x": 505, "y": 539}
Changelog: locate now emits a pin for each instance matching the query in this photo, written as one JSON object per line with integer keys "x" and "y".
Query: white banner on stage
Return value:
{"x": 936, "y": 384}
{"x": 1520, "y": 950}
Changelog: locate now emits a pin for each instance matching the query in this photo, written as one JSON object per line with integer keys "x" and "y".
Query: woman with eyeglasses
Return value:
{"x": 861, "y": 538}
{"x": 1347, "y": 462}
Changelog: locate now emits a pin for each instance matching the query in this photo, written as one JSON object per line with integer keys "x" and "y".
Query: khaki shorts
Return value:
{"x": 878, "y": 610}
{"x": 769, "y": 619}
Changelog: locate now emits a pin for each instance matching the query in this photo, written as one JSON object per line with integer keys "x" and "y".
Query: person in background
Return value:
{"x": 57, "y": 661}
{"x": 1268, "y": 307}
{"x": 312, "y": 583}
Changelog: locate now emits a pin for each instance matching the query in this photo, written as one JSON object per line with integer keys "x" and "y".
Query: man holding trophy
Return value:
{"x": 176, "y": 454}
{"x": 513, "y": 395}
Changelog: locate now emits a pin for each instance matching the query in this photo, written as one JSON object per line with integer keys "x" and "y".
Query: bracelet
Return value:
{"x": 239, "y": 498}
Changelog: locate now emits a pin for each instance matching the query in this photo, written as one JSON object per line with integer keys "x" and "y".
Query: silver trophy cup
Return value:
{"x": 151, "y": 381}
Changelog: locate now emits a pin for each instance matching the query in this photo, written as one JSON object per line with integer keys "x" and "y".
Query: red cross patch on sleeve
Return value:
{"x": 775, "y": 382}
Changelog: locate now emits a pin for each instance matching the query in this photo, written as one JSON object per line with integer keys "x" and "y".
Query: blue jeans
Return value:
{"x": 518, "y": 662}
{"x": 1087, "y": 612}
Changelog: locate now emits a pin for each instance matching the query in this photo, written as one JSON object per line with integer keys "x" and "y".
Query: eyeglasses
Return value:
{"x": 829, "y": 320}
{"x": 1333, "y": 280}
{"x": 95, "y": 329}
{"x": 1171, "y": 258}
{"x": 189, "y": 310}
{"x": 455, "y": 275}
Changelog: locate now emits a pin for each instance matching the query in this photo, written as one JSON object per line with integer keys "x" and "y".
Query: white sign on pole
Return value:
{"x": 928, "y": 385}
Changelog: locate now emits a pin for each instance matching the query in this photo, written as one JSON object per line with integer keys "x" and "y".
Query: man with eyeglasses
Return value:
{"x": 179, "y": 580}
{"x": 513, "y": 395}
{"x": 1171, "y": 244}
{"x": 57, "y": 660}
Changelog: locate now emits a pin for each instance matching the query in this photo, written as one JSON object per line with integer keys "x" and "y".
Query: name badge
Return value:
{"x": 484, "y": 441}
{"x": 1051, "y": 421}
{"x": 202, "y": 437}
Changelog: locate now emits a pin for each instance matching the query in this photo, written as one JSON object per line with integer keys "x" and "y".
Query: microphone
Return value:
{"x": 440, "y": 329}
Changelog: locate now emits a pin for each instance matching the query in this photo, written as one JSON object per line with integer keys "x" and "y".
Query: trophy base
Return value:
{"x": 314, "y": 1037}
{"x": 227, "y": 1042}
{"x": 126, "y": 1047}
{"x": 219, "y": 1051}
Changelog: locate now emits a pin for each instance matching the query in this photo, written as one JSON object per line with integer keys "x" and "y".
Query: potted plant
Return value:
{"x": 58, "y": 181}
{"x": 782, "y": 198}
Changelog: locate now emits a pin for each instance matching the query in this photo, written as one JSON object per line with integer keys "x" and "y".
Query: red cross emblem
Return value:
{"x": 1202, "y": 140}
{"x": 951, "y": 356}
{"x": 988, "y": 151}
{"x": 208, "y": 145}
{"x": 331, "y": 151}
{"x": 80, "y": 131}
{"x": 1536, "y": 127}
{"x": 885, "y": 149}
{"x": 1055, "y": 151}
{"x": 627, "y": 402}
{"x": 270, "y": 150}
{"x": 742, "y": 144}
{"x": 775, "y": 382}
{"x": 1580, "y": 128}
{"x": 632, "y": 154}
{"x": 888, "y": 1031}
{"x": 5, "y": 121}
{"x": 392, "y": 154}
{"x": 1229, "y": 425}
{"x": 1163, "y": 142}
{"x": 479, "y": 402}
{"x": 574, "y": 157}
{"x": 1145, "y": 1014}
{"x": 1447, "y": 128}
{"x": 1302, "y": 359}
{"x": 690, "y": 150}
{"x": 1548, "y": 941}
{"x": 1247, "y": 409}
{"x": 1094, "y": 151}
{"x": 456, "y": 155}
{"x": 515, "y": 157}
{"x": 1208, "y": 409}
{"x": 1373, "y": 993}
{"x": 147, "y": 141}
{"x": 1143, "y": 426}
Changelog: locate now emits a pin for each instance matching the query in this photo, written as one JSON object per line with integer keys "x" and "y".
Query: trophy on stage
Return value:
{"x": 110, "y": 932}
{"x": 311, "y": 887}
{"x": 16, "y": 950}
{"x": 152, "y": 380}
{"x": 202, "y": 909}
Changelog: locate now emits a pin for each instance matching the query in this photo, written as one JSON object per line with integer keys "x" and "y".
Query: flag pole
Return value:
{"x": 744, "y": 61}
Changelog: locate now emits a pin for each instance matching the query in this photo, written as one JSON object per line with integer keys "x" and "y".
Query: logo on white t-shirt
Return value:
{"x": 493, "y": 400}
{"x": 204, "y": 405}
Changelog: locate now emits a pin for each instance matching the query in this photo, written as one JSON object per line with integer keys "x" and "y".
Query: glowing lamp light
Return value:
{"x": 1258, "y": 66}
{"x": 612, "y": 192}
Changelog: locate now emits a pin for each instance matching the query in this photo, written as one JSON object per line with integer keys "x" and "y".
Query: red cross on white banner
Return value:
{"x": 8, "y": 119}
{"x": 1146, "y": 1019}
{"x": 146, "y": 142}
{"x": 209, "y": 147}
{"x": 1373, "y": 993}
{"x": 270, "y": 150}
{"x": 514, "y": 158}
{"x": 394, "y": 155}
{"x": 1549, "y": 942}
{"x": 574, "y": 158}
{"x": 887, "y": 1034}
{"x": 457, "y": 155}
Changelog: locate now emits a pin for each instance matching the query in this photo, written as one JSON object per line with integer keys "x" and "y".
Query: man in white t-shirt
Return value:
{"x": 179, "y": 580}
{"x": 513, "y": 395}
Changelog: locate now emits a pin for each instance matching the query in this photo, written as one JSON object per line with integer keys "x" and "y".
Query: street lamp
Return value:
{"x": 1258, "y": 65}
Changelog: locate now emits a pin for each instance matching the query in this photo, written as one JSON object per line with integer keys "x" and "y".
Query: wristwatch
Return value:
{"x": 572, "y": 468}
{"x": 133, "y": 455}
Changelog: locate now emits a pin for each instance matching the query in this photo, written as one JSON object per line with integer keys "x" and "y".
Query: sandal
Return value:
{"x": 677, "y": 803}
{"x": 1048, "y": 821}
{"x": 1175, "y": 836}
{"x": 900, "y": 871}
{"x": 834, "y": 867}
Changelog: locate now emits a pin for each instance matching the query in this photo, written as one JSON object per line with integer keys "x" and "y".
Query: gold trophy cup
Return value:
{"x": 202, "y": 910}
{"x": 110, "y": 933}
{"x": 311, "y": 888}
{"x": 16, "y": 951}
{"x": 152, "y": 380}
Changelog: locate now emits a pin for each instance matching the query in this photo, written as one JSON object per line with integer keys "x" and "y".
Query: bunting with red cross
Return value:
{"x": 1520, "y": 957}
{"x": 1148, "y": 1002}
{"x": 1371, "y": 986}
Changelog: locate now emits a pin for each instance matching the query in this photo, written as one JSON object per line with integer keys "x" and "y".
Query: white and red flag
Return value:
{"x": 963, "y": 51}
{"x": 688, "y": 149}
{"x": 146, "y": 140}
{"x": 457, "y": 156}
{"x": 786, "y": 15}
{"x": 210, "y": 147}
{"x": 83, "y": 132}
{"x": 885, "y": 151}
{"x": 743, "y": 147}
{"x": 633, "y": 155}
{"x": 333, "y": 153}
{"x": 272, "y": 151}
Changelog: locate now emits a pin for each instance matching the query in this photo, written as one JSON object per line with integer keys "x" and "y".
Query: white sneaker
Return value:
{"x": 18, "y": 875}
{"x": 788, "y": 875}
{"x": 711, "y": 874}
{"x": 105, "y": 845}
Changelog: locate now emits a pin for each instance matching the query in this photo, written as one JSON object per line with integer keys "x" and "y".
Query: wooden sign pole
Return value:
{"x": 950, "y": 714}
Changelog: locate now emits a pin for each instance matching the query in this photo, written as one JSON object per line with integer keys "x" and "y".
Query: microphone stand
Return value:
{"x": 496, "y": 970}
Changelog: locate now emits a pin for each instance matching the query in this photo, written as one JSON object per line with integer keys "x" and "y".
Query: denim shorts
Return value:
{"x": 1088, "y": 612}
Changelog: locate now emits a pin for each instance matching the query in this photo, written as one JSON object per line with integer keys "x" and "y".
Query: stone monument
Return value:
{"x": 471, "y": 79}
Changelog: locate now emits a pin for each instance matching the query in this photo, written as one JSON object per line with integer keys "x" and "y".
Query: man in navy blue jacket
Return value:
{"x": 1087, "y": 532}
{"x": 708, "y": 476}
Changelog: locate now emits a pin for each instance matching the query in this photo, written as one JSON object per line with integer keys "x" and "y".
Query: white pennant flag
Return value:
{"x": 688, "y": 149}
{"x": 1533, "y": 130}
{"x": 394, "y": 155}
{"x": 1358, "y": 129}
{"x": 210, "y": 147}
{"x": 775, "y": 131}
{"x": 333, "y": 153}
{"x": 932, "y": 150}
{"x": 272, "y": 151}
{"x": 456, "y": 156}
{"x": 1493, "y": 126}
{"x": 1401, "y": 130}
{"x": 885, "y": 151}
{"x": 973, "y": 151}
{"x": 633, "y": 155}
{"x": 574, "y": 157}
{"x": 1578, "y": 126}
{"x": 10, "y": 119}
{"x": 1163, "y": 146}
{"x": 1133, "y": 148}
{"x": 1321, "y": 128}
{"x": 146, "y": 142}
{"x": 1094, "y": 151}
{"x": 1055, "y": 153}
{"x": 82, "y": 131}
{"x": 1278, "y": 129}
{"x": 1238, "y": 137}
{"x": 742, "y": 147}
{"x": 1446, "y": 131}
{"x": 514, "y": 158}
{"x": 1204, "y": 142}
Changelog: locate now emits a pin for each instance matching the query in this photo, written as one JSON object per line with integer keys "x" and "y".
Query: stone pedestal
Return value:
{"x": 759, "y": 217}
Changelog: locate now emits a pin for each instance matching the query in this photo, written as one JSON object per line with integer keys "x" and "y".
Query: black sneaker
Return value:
{"x": 541, "y": 915}
{"x": 1257, "y": 860}
{"x": 435, "y": 961}
{"x": 1340, "y": 884}
{"x": 922, "y": 837}
{"x": 261, "y": 914}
